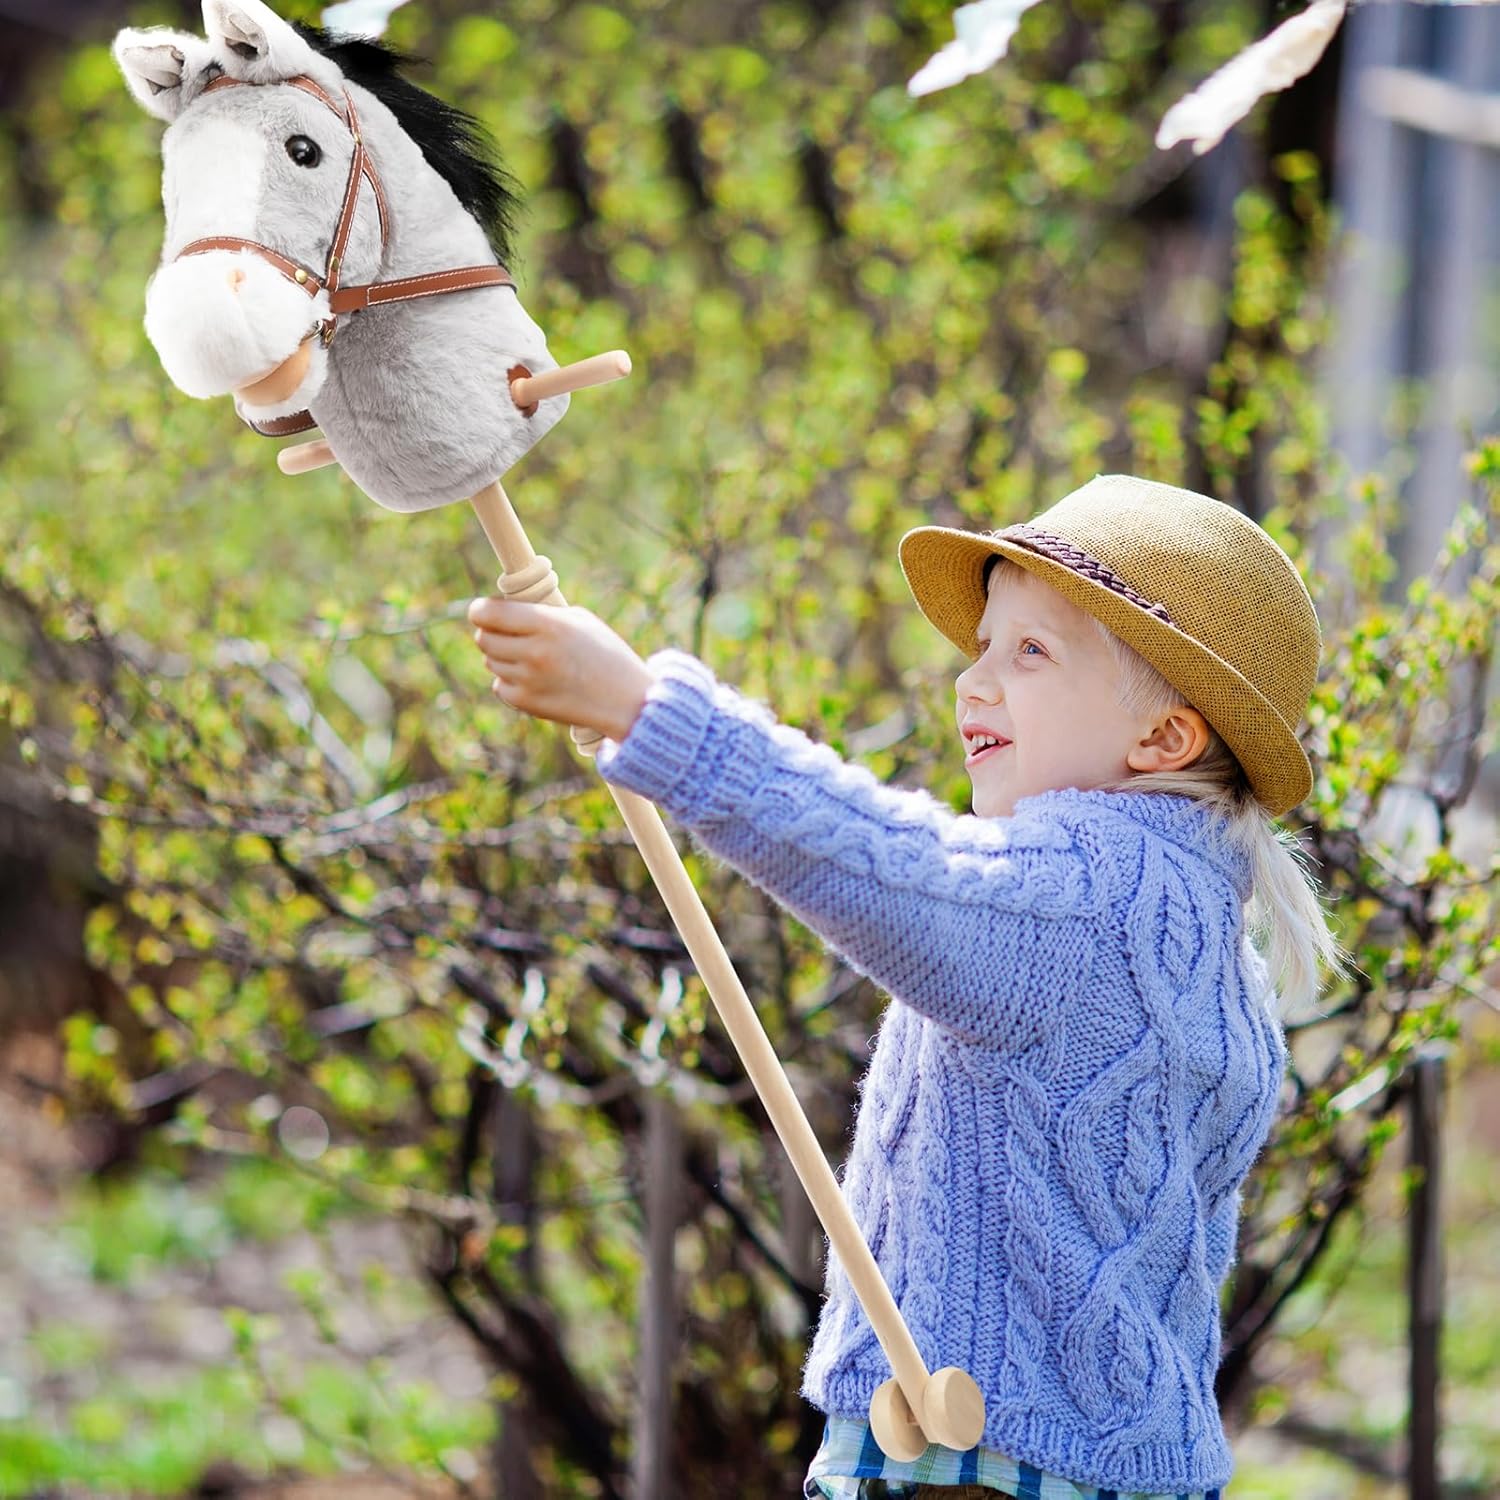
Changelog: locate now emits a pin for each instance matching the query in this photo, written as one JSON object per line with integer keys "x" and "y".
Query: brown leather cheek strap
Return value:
{"x": 346, "y": 118}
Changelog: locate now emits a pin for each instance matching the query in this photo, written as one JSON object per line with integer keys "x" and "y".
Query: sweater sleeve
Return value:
{"x": 985, "y": 925}
{"x": 1220, "y": 1233}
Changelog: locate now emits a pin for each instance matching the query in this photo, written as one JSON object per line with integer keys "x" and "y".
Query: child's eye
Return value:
{"x": 1028, "y": 642}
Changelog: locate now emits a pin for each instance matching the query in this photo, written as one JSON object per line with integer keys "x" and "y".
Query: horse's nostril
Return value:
{"x": 234, "y": 278}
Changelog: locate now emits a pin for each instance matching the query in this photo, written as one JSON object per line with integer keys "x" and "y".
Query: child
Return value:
{"x": 1081, "y": 1057}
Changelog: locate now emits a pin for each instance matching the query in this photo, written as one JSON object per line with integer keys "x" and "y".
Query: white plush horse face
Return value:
{"x": 267, "y": 164}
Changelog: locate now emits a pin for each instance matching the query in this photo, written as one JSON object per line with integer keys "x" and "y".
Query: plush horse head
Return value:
{"x": 333, "y": 254}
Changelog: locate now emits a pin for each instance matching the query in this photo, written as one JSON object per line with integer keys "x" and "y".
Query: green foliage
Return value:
{"x": 156, "y": 1439}
{"x": 121, "y": 1229}
{"x": 850, "y": 313}
{"x": 265, "y": 1410}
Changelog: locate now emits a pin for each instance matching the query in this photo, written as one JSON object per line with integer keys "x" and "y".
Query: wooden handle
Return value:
{"x": 595, "y": 370}
{"x": 302, "y": 458}
{"x": 538, "y": 583}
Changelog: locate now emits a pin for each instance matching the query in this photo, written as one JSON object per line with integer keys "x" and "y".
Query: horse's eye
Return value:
{"x": 304, "y": 151}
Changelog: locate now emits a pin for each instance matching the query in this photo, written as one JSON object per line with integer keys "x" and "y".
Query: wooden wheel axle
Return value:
{"x": 952, "y": 1413}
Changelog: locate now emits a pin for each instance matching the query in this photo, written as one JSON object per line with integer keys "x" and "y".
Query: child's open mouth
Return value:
{"x": 982, "y": 748}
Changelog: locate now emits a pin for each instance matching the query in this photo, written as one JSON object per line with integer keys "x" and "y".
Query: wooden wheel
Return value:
{"x": 894, "y": 1425}
{"x": 953, "y": 1409}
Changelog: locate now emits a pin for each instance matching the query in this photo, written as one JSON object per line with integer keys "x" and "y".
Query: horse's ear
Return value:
{"x": 255, "y": 44}
{"x": 161, "y": 67}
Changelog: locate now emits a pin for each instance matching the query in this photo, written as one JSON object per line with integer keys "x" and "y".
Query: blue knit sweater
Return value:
{"x": 1078, "y": 1066}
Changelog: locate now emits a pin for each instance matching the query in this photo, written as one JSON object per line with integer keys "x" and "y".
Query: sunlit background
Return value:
{"x": 362, "y": 1129}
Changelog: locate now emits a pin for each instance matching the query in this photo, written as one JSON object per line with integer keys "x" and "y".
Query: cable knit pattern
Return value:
{"x": 1078, "y": 1066}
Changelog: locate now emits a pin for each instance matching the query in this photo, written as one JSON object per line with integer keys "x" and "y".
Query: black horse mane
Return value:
{"x": 456, "y": 145}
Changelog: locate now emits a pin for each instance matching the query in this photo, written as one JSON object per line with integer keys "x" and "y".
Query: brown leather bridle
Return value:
{"x": 343, "y": 299}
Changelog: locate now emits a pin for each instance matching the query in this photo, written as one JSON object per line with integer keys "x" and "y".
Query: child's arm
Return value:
{"x": 986, "y": 925}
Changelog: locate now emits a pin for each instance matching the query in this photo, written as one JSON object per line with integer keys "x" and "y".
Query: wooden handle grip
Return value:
{"x": 303, "y": 458}
{"x": 595, "y": 370}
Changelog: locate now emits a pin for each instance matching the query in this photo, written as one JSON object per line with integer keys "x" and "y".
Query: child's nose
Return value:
{"x": 978, "y": 681}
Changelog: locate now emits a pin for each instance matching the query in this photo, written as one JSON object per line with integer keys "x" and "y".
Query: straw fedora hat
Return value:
{"x": 1198, "y": 589}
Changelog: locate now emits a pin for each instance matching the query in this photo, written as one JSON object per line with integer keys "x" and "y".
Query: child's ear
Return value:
{"x": 1177, "y": 739}
{"x": 161, "y": 67}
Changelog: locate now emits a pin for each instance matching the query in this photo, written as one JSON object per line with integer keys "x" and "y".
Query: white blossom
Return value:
{"x": 982, "y": 33}
{"x": 1208, "y": 113}
{"x": 367, "y": 18}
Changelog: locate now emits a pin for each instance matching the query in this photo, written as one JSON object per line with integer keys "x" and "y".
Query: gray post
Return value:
{"x": 1425, "y": 1274}
{"x": 657, "y": 1317}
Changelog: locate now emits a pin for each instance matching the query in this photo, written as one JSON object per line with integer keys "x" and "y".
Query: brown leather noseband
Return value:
{"x": 343, "y": 299}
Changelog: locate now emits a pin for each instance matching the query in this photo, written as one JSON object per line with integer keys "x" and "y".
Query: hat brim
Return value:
{"x": 944, "y": 569}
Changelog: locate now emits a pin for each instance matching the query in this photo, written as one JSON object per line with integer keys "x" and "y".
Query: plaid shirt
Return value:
{"x": 850, "y": 1454}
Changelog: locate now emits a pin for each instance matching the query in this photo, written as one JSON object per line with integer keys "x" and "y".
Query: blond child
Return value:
{"x": 1081, "y": 1057}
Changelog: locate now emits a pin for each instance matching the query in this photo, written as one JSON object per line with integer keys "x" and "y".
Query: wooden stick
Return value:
{"x": 946, "y": 1407}
{"x": 595, "y": 370}
{"x": 302, "y": 458}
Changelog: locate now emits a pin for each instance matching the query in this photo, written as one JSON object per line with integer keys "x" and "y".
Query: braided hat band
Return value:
{"x": 1060, "y": 550}
{"x": 1199, "y": 590}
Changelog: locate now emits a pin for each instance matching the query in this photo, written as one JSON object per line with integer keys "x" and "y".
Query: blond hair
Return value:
{"x": 1285, "y": 916}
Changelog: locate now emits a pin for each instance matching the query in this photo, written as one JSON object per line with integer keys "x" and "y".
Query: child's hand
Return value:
{"x": 563, "y": 664}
